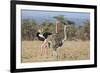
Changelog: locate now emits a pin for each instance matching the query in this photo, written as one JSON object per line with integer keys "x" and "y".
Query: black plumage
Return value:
{"x": 43, "y": 36}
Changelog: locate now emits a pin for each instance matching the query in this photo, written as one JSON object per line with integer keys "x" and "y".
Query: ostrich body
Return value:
{"x": 43, "y": 36}
{"x": 55, "y": 42}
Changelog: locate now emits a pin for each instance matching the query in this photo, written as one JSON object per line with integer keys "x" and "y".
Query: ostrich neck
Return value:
{"x": 65, "y": 36}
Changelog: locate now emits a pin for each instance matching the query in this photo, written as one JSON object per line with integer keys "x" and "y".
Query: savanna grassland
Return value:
{"x": 71, "y": 50}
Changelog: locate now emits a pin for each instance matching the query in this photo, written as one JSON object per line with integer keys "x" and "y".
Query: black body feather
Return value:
{"x": 45, "y": 35}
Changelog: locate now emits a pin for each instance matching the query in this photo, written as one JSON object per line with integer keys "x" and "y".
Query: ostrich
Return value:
{"x": 58, "y": 39}
{"x": 43, "y": 37}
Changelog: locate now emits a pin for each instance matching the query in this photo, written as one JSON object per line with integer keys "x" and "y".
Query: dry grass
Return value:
{"x": 71, "y": 50}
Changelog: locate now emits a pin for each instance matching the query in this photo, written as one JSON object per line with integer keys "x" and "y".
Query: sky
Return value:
{"x": 40, "y": 16}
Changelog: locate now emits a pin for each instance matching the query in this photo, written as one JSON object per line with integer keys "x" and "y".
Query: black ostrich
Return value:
{"x": 43, "y": 37}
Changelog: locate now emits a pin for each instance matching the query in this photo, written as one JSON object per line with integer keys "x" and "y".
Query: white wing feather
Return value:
{"x": 41, "y": 36}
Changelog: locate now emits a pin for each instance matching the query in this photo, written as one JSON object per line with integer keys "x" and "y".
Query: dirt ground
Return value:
{"x": 71, "y": 50}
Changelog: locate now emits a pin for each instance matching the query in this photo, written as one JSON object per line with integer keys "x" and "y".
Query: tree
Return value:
{"x": 48, "y": 26}
{"x": 28, "y": 29}
{"x": 87, "y": 29}
{"x": 83, "y": 31}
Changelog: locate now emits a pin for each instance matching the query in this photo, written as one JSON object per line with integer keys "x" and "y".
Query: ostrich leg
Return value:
{"x": 43, "y": 46}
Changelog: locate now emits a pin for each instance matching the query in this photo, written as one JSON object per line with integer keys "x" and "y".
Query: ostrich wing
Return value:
{"x": 40, "y": 35}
